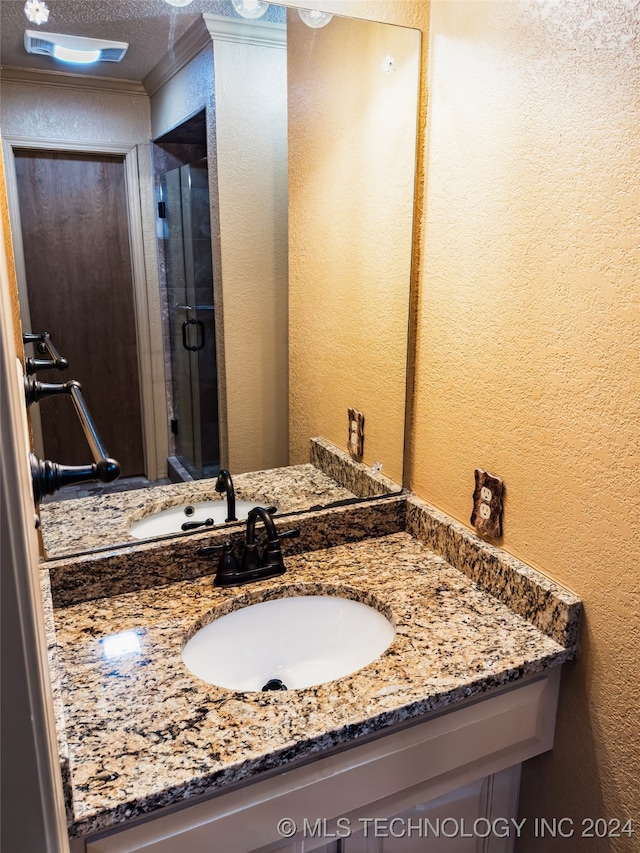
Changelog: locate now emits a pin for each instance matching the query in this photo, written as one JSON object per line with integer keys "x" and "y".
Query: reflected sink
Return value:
{"x": 171, "y": 520}
{"x": 300, "y": 641}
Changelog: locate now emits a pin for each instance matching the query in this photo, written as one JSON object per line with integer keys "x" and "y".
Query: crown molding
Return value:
{"x": 82, "y": 82}
{"x": 214, "y": 28}
{"x": 183, "y": 51}
{"x": 263, "y": 33}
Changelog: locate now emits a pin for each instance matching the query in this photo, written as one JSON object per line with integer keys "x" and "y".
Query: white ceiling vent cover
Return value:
{"x": 35, "y": 41}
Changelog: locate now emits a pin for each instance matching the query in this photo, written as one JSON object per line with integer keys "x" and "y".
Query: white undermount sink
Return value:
{"x": 171, "y": 520}
{"x": 302, "y": 641}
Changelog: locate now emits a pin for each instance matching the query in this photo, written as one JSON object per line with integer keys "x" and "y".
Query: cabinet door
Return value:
{"x": 473, "y": 819}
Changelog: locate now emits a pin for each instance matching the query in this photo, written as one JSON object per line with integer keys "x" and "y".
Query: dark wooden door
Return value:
{"x": 75, "y": 233}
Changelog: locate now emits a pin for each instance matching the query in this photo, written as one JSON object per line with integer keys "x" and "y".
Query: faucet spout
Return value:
{"x": 251, "y": 559}
{"x": 270, "y": 528}
{"x": 253, "y": 565}
{"x": 224, "y": 483}
{"x": 271, "y": 562}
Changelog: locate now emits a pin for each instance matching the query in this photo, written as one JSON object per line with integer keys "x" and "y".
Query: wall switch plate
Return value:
{"x": 487, "y": 504}
{"x": 355, "y": 441}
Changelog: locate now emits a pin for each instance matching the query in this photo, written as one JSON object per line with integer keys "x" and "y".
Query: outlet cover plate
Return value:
{"x": 355, "y": 440}
{"x": 487, "y": 504}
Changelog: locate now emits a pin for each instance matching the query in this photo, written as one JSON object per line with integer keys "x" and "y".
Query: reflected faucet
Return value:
{"x": 224, "y": 483}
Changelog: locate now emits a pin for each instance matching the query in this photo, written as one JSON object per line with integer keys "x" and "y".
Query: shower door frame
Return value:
{"x": 153, "y": 442}
{"x": 189, "y": 357}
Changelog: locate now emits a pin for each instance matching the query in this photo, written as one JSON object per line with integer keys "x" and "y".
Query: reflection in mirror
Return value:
{"x": 217, "y": 233}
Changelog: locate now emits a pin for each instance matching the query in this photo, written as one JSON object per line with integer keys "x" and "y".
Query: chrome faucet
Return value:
{"x": 224, "y": 483}
{"x": 253, "y": 565}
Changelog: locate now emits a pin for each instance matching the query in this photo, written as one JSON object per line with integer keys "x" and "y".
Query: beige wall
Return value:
{"x": 528, "y": 356}
{"x": 528, "y": 341}
{"x": 352, "y": 133}
{"x": 251, "y": 128}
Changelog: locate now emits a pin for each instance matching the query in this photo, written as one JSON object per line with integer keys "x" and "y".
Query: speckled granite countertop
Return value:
{"x": 84, "y": 524}
{"x": 142, "y": 732}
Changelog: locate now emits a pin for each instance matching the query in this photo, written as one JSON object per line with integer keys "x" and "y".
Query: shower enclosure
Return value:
{"x": 184, "y": 210}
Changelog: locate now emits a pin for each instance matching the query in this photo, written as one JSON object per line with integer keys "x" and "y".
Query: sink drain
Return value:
{"x": 275, "y": 684}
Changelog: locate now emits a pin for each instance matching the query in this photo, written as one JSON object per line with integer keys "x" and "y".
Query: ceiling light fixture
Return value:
{"x": 178, "y": 2}
{"x": 315, "y": 19}
{"x": 36, "y": 11}
{"x": 250, "y": 8}
{"x": 71, "y": 54}
{"x": 76, "y": 49}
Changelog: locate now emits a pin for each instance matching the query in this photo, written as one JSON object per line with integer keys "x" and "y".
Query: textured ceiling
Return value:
{"x": 150, "y": 27}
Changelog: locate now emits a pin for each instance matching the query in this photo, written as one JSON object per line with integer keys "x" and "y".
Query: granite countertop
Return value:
{"x": 142, "y": 732}
{"x": 85, "y": 524}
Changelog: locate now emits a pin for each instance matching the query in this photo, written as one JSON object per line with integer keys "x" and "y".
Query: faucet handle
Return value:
{"x": 289, "y": 534}
{"x": 207, "y": 550}
{"x": 228, "y": 564}
{"x": 193, "y": 525}
{"x": 272, "y": 554}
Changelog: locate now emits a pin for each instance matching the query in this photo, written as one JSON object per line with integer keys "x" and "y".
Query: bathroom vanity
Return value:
{"x": 436, "y": 727}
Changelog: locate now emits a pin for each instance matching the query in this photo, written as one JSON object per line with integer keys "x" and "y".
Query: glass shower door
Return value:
{"x": 189, "y": 274}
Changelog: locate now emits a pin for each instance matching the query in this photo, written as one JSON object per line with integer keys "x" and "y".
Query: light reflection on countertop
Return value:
{"x": 122, "y": 644}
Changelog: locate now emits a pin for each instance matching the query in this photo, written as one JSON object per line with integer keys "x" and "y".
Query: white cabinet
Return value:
{"x": 460, "y": 763}
{"x": 477, "y": 818}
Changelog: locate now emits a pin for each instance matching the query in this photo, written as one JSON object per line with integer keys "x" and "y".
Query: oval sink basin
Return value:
{"x": 288, "y": 643}
{"x": 171, "y": 520}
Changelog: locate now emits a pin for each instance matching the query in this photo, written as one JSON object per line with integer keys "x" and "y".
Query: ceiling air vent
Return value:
{"x": 77, "y": 49}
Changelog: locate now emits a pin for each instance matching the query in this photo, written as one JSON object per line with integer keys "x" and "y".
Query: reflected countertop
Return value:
{"x": 85, "y": 524}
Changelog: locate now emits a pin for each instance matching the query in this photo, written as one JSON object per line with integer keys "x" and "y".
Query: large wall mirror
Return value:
{"x": 217, "y": 232}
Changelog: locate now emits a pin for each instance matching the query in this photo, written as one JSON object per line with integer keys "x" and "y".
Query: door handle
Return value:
{"x": 200, "y": 336}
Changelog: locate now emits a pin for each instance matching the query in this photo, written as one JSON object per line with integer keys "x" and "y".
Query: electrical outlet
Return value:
{"x": 487, "y": 504}
{"x": 355, "y": 441}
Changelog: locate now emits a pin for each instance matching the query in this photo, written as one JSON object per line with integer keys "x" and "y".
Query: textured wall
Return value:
{"x": 528, "y": 352}
{"x": 73, "y": 115}
{"x": 528, "y": 339}
{"x": 186, "y": 93}
{"x": 251, "y": 121}
{"x": 351, "y": 185}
